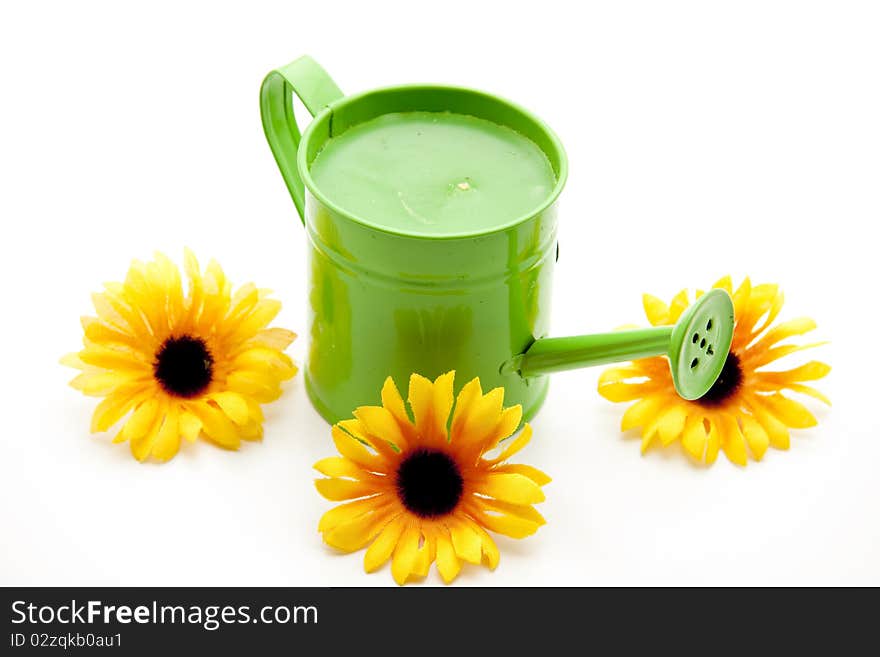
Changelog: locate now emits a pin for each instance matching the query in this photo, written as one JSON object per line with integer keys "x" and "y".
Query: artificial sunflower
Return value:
{"x": 183, "y": 365}
{"x": 745, "y": 411}
{"x": 424, "y": 489}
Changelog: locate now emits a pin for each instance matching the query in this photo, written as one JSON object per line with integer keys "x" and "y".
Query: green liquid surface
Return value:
{"x": 433, "y": 173}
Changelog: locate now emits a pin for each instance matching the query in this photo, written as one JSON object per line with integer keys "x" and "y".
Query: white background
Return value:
{"x": 704, "y": 139}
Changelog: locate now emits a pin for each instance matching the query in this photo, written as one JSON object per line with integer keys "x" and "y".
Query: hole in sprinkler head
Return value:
{"x": 695, "y": 362}
{"x": 709, "y": 325}
{"x": 696, "y": 337}
{"x": 702, "y": 343}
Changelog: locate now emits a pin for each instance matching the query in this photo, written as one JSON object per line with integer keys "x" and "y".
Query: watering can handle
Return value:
{"x": 305, "y": 78}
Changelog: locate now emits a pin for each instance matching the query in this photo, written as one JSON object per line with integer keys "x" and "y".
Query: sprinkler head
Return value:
{"x": 700, "y": 343}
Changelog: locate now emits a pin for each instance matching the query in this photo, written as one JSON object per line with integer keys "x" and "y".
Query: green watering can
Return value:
{"x": 431, "y": 218}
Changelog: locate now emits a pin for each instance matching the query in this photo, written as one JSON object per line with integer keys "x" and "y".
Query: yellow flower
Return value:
{"x": 744, "y": 411}
{"x": 425, "y": 489}
{"x": 182, "y": 365}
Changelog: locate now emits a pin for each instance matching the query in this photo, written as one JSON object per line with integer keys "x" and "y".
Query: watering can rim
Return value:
{"x": 552, "y": 197}
{"x": 321, "y": 96}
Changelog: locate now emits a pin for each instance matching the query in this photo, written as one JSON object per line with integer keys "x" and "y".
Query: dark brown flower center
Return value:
{"x": 184, "y": 366}
{"x": 429, "y": 483}
{"x": 726, "y": 385}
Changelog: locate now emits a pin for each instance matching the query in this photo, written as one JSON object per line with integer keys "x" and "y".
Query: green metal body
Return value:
{"x": 384, "y": 303}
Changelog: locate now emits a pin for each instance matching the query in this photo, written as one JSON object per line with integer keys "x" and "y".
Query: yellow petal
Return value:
{"x": 619, "y": 374}
{"x": 170, "y": 274}
{"x": 756, "y": 436}
{"x": 466, "y": 541}
{"x": 490, "y": 551}
{"x": 115, "y": 359}
{"x": 448, "y": 564}
{"x": 642, "y": 412}
{"x": 249, "y": 383}
{"x": 724, "y": 283}
{"x": 254, "y": 411}
{"x": 760, "y": 302}
{"x": 353, "y": 450}
{"x": 713, "y": 442}
{"x": 656, "y": 310}
{"x": 524, "y": 511}
{"x": 216, "y": 425}
{"x": 754, "y": 358}
{"x": 469, "y": 394}
{"x": 349, "y": 511}
{"x": 526, "y": 470}
{"x": 99, "y": 332}
{"x": 243, "y": 301}
{"x": 356, "y": 533}
{"x": 421, "y": 393}
{"x": 694, "y": 437}
{"x": 514, "y": 445}
{"x": 97, "y": 384}
{"x": 512, "y": 526}
{"x": 358, "y": 431}
{"x": 190, "y": 426}
{"x": 275, "y": 338}
{"x": 514, "y": 488}
{"x": 73, "y": 360}
{"x": 270, "y": 361}
{"x": 647, "y": 439}
{"x": 116, "y": 312}
{"x": 624, "y": 392}
{"x": 380, "y": 423}
{"x": 115, "y": 406}
{"x": 772, "y": 313}
{"x": 196, "y": 289}
{"x": 142, "y": 420}
{"x": 476, "y": 445}
{"x": 741, "y": 297}
{"x": 338, "y": 466}
{"x": 671, "y": 423}
{"x": 483, "y": 417}
{"x": 392, "y": 401}
{"x": 508, "y": 423}
{"x": 792, "y": 413}
{"x": 777, "y": 432}
{"x": 141, "y": 447}
{"x": 679, "y": 303}
{"x": 107, "y": 314}
{"x": 233, "y": 404}
{"x": 442, "y": 400}
{"x": 337, "y": 490}
{"x": 142, "y": 441}
{"x": 811, "y": 371}
{"x": 807, "y": 390}
{"x": 405, "y": 554}
{"x": 491, "y": 554}
{"x": 259, "y": 317}
{"x": 424, "y": 558}
{"x": 251, "y": 430}
{"x": 382, "y": 548}
{"x": 167, "y": 441}
{"x": 732, "y": 441}
{"x": 784, "y": 330}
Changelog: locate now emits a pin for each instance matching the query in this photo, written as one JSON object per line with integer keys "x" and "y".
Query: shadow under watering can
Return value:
{"x": 431, "y": 232}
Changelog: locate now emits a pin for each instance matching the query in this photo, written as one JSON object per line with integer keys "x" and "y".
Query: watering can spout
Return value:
{"x": 697, "y": 346}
